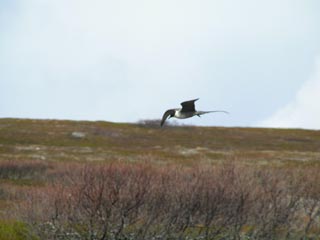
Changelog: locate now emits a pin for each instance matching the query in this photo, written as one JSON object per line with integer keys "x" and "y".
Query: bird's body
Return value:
{"x": 182, "y": 115}
{"x": 188, "y": 110}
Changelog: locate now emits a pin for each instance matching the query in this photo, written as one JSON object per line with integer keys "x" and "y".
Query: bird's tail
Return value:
{"x": 204, "y": 112}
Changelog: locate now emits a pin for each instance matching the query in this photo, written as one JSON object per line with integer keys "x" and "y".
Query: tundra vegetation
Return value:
{"x": 100, "y": 180}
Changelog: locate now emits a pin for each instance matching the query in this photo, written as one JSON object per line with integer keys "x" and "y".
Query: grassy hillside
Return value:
{"x": 102, "y": 180}
{"x": 52, "y": 140}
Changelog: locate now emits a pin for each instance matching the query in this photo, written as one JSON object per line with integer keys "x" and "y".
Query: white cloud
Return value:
{"x": 304, "y": 110}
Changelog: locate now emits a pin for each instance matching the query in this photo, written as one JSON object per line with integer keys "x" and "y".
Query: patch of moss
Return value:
{"x": 15, "y": 230}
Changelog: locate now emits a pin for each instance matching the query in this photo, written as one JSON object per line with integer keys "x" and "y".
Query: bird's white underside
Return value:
{"x": 182, "y": 115}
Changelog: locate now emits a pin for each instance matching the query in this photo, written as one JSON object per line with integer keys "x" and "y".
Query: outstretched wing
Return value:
{"x": 188, "y": 106}
{"x": 168, "y": 113}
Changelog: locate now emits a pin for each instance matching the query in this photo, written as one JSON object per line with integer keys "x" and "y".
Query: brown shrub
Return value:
{"x": 140, "y": 201}
{"x": 25, "y": 170}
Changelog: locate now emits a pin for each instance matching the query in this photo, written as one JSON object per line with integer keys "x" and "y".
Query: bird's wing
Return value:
{"x": 188, "y": 106}
{"x": 167, "y": 113}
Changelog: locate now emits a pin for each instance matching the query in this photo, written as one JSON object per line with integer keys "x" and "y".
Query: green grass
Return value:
{"x": 14, "y": 230}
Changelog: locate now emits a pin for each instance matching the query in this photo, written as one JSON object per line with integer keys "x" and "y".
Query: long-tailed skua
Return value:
{"x": 188, "y": 110}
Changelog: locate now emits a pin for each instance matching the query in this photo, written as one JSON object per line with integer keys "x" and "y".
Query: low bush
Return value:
{"x": 21, "y": 170}
{"x": 119, "y": 201}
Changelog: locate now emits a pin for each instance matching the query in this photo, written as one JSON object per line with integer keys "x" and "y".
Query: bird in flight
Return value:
{"x": 188, "y": 110}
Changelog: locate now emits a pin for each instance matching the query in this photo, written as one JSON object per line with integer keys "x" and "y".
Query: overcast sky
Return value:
{"x": 126, "y": 60}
